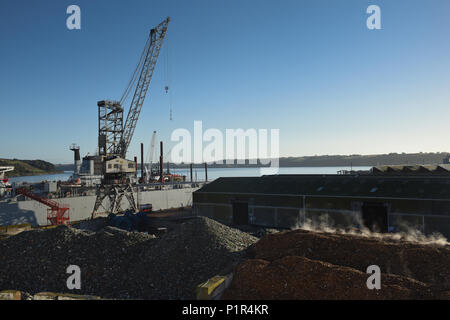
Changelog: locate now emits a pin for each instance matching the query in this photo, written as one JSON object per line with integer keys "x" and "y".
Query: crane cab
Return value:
{"x": 118, "y": 165}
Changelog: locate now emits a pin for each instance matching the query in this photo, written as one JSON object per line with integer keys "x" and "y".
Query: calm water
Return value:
{"x": 49, "y": 177}
{"x": 213, "y": 173}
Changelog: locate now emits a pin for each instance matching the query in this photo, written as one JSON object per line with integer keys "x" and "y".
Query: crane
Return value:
{"x": 115, "y": 136}
{"x": 147, "y": 65}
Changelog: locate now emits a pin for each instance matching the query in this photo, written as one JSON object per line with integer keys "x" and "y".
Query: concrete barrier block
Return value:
{"x": 77, "y": 297}
{"x": 62, "y": 296}
{"x": 214, "y": 287}
{"x": 45, "y": 296}
{"x": 48, "y": 227}
{"x": 10, "y": 295}
{"x": 14, "y": 229}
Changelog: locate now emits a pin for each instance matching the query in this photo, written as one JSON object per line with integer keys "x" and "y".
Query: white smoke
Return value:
{"x": 410, "y": 235}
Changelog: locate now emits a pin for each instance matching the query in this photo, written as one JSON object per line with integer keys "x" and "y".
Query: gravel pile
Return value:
{"x": 427, "y": 263}
{"x": 303, "y": 264}
{"x": 122, "y": 265}
{"x": 299, "y": 278}
{"x": 257, "y": 231}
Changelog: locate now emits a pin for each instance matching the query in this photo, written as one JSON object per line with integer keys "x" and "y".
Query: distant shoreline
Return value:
{"x": 218, "y": 166}
{"x": 34, "y": 174}
{"x": 199, "y": 173}
{"x": 24, "y": 168}
{"x": 311, "y": 162}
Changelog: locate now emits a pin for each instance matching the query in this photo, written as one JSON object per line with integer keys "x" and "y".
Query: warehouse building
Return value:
{"x": 382, "y": 202}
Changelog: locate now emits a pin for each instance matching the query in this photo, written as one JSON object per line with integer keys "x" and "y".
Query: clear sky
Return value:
{"x": 308, "y": 67}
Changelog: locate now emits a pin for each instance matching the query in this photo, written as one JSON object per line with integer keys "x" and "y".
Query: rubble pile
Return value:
{"x": 118, "y": 264}
{"x": 303, "y": 264}
{"x": 295, "y": 277}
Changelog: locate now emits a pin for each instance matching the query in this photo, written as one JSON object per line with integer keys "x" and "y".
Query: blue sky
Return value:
{"x": 310, "y": 68}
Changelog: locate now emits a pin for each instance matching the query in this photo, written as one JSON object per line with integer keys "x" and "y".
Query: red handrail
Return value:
{"x": 50, "y": 203}
{"x": 56, "y": 215}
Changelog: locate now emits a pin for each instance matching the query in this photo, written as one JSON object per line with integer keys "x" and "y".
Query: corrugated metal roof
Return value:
{"x": 421, "y": 187}
{"x": 412, "y": 169}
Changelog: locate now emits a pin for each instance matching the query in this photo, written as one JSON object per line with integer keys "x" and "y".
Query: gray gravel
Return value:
{"x": 122, "y": 265}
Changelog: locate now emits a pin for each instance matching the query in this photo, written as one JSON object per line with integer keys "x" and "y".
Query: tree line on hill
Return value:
{"x": 28, "y": 167}
{"x": 40, "y": 167}
{"x": 355, "y": 160}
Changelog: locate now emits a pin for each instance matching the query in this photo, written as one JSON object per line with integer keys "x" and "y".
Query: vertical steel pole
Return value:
{"x": 142, "y": 162}
{"x": 161, "y": 163}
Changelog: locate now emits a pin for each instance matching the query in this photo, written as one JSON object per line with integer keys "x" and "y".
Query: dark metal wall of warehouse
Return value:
{"x": 382, "y": 203}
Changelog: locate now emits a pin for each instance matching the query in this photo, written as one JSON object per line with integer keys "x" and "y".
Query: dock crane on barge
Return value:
{"x": 114, "y": 136}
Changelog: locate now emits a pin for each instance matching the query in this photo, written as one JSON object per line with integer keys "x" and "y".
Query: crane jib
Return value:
{"x": 151, "y": 53}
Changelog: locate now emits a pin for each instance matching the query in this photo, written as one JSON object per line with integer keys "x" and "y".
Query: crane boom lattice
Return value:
{"x": 151, "y": 53}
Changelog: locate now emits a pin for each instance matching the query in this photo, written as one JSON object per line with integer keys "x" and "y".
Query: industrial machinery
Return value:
{"x": 149, "y": 169}
{"x": 56, "y": 214}
{"x": 4, "y": 182}
{"x": 77, "y": 159}
{"x": 3, "y": 170}
{"x": 130, "y": 221}
{"x": 114, "y": 135}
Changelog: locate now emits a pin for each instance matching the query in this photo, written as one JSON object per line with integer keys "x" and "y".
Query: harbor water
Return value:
{"x": 199, "y": 173}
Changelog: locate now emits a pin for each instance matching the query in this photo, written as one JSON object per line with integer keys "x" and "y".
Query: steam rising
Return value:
{"x": 410, "y": 235}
